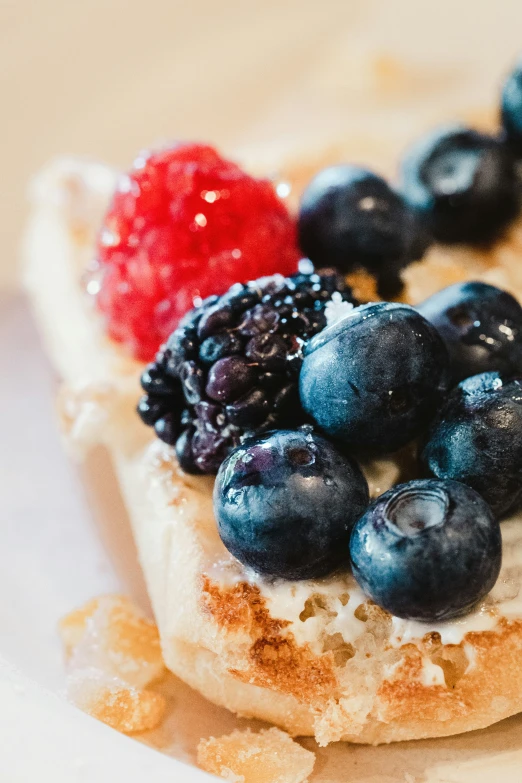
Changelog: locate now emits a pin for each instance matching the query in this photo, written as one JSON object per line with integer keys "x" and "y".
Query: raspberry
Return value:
{"x": 184, "y": 224}
{"x": 230, "y": 369}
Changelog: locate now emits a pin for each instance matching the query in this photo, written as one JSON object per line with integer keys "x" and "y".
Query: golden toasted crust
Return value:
{"x": 376, "y": 692}
{"x": 273, "y": 656}
{"x": 224, "y": 637}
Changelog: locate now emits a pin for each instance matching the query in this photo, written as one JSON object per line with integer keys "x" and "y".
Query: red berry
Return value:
{"x": 184, "y": 224}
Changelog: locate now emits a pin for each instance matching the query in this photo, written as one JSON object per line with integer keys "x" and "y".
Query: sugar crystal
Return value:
{"x": 115, "y": 702}
{"x": 270, "y": 756}
{"x": 111, "y": 634}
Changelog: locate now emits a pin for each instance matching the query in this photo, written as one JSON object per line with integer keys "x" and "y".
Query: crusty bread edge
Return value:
{"x": 404, "y": 707}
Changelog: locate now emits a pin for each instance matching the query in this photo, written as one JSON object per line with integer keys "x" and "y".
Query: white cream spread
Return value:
{"x": 431, "y": 673}
{"x": 286, "y": 600}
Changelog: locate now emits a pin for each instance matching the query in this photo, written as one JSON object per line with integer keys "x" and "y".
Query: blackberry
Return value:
{"x": 231, "y": 368}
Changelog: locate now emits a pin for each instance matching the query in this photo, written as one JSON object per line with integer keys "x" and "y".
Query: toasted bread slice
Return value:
{"x": 316, "y": 657}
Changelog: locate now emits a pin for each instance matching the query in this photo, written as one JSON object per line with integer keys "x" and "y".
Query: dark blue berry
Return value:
{"x": 351, "y": 218}
{"x": 285, "y": 504}
{"x": 463, "y": 184}
{"x": 376, "y": 378}
{"x": 477, "y": 439}
{"x": 427, "y": 550}
{"x": 511, "y": 109}
{"x": 481, "y": 326}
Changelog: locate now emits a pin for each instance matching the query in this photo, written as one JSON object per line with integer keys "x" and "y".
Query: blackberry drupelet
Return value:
{"x": 230, "y": 369}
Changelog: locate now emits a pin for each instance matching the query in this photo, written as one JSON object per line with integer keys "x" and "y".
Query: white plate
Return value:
{"x": 57, "y": 551}
{"x": 52, "y": 559}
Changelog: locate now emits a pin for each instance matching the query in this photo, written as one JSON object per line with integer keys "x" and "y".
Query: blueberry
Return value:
{"x": 376, "y": 378}
{"x": 351, "y": 218}
{"x": 463, "y": 184}
{"x": 511, "y": 109}
{"x": 286, "y": 502}
{"x": 481, "y": 326}
{"x": 427, "y": 550}
{"x": 477, "y": 439}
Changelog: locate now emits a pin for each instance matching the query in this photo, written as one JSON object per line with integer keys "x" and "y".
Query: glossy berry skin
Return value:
{"x": 481, "y": 326}
{"x": 351, "y": 218}
{"x": 427, "y": 550}
{"x": 477, "y": 439}
{"x": 511, "y": 109}
{"x": 184, "y": 223}
{"x": 286, "y": 502}
{"x": 376, "y": 378}
{"x": 230, "y": 370}
{"x": 463, "y": 184}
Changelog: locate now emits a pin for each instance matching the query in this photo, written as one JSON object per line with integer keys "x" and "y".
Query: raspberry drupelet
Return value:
{"x": 184, "y": 223}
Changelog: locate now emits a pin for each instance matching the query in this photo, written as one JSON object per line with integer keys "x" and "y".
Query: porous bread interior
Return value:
{"x": 221, "y": 638}
{"x": 224, "y": 642}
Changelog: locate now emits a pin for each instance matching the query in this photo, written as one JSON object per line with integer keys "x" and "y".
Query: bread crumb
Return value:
{"x": 270, "y": 756}
{"x": 115, "y": 702}
{"x": 111, "y": 634}
{"x": 72, "y": 627}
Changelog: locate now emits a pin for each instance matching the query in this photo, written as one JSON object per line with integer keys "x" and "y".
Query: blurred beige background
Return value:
{"x": 104, "y": 78}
